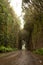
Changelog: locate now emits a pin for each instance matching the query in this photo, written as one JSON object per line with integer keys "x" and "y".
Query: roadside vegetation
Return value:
{"x": 38, "y": 51}
{"x": 33, "y": 26}
{"x": 9, "y": 27}
{"x": 11, "y": 35}
{"x": 7, "y": 49}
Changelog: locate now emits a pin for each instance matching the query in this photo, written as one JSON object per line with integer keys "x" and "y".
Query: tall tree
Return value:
{"x": 9, "y": 25}
{"x": 34, "y": 15}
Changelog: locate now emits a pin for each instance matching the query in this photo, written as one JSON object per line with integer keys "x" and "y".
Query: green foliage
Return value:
{"x": 7, "y": 49}
{"x": 9, "y": 25}
{"x": 34, "y": 22}
{"x": 39, "y": 51}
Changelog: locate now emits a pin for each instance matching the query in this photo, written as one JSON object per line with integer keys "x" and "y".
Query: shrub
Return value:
{"x": 2, "y": 49}
{"x": 5, "y": 49}
{"x": 39, "y": 51}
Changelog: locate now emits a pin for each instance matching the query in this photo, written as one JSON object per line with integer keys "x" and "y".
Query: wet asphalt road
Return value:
{"x": 20, "y": 58}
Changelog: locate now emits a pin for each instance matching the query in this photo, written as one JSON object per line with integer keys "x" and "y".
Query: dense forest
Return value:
{"x": 11, "y": 35}
{"x": 33, "y": 18}
{"x": 9, "y": 25}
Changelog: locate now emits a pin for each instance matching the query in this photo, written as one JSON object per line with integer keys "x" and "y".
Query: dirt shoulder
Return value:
{"x": 2, "y": 55}
{"x": 40, "y": 57}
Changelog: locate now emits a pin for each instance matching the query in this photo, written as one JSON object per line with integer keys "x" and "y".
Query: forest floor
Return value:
{"x": 21, "y": 58}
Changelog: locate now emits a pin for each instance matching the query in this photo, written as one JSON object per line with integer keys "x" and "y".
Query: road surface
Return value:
{"x": 20, "y": 58}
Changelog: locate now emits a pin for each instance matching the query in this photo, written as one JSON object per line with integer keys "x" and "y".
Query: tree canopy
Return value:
{"x": 9, "y": 25}
{"x": 34, "y": 22}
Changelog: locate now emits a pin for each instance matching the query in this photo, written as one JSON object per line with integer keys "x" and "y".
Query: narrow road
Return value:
{"x": 20, "y": 58}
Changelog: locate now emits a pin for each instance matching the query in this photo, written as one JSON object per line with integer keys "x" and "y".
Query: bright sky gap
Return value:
{"x": 18, "y": 10}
